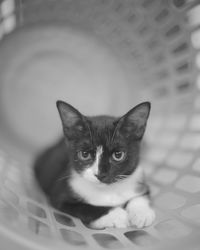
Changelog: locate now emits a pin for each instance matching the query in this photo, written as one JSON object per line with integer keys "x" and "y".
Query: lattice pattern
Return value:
{"x": 158, "y": 41}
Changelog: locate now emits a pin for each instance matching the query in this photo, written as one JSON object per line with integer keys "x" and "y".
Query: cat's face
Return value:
{"x": 104, "y": 149}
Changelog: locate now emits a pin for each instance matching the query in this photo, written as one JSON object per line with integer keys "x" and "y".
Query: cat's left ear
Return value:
{"x": 134, "y": 122}
{"x": 73, "y": 121}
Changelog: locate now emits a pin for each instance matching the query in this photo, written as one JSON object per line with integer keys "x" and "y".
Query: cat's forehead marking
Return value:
{"x": 99, "y": 151}
{"x": 95, "y": 164}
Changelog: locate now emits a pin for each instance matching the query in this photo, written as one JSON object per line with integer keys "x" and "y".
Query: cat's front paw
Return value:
{"x": 117, "y": 217}
{"x": 140, "y": 213}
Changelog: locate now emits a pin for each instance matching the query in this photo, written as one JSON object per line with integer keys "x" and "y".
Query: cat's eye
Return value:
{"x": 118, "y": 155}
{"x": 84, "y": 155}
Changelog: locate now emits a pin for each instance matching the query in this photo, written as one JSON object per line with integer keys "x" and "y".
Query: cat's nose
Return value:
{"x": 97, "y": 176}
{"x": 102, "y": 177}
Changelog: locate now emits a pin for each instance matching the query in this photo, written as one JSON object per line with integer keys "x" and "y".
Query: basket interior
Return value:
{"x": 103, "y": 56}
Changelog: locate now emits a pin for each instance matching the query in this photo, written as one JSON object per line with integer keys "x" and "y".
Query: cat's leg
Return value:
{"x": 85, "y": 212}
{"x": 140, "y": 212}
{"x": 117, "y": 217}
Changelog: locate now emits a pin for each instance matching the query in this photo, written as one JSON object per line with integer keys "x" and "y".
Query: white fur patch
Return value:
{"x": 117, "y": 217}
{"x": 101, "y": 194}
{"x": 92, "y": 170}
{"x": 140, "y": 213}
{"x": 95, "y": 165}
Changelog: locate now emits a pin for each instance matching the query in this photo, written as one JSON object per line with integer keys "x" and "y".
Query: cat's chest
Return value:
{"x": 106, "y": 195}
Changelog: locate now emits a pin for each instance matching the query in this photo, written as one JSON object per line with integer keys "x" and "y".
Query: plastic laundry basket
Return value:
{"x": 102, "y": 56}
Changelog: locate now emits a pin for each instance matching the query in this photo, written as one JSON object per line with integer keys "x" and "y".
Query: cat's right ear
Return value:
{"x": 134, "y": 122}
{"x": 73, "y": 121}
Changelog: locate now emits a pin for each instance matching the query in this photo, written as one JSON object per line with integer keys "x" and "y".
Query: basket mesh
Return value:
{"x": 157, "y": 42}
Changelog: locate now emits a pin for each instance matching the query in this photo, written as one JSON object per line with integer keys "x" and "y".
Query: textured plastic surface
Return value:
{"x": 156, "y": 42}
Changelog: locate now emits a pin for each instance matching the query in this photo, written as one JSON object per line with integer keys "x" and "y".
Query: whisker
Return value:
{"x": 63, "y": 178}
{"x": 120, "y": 177}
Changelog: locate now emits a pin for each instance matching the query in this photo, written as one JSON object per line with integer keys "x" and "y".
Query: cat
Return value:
{"x": 93, "y": 172}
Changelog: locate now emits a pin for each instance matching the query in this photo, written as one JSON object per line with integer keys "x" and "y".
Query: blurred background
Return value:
{"x": 102, "y": 57}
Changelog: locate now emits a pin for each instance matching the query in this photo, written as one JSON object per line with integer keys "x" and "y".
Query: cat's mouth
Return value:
{"x": 98, "y": 179}
{"x": 101, "y": 178}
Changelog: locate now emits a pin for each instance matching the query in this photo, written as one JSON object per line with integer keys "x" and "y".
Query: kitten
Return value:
{"x": 92, "y": 172}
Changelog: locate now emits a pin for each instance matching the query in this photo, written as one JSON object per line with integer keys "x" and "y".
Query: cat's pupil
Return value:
{"x": 85, "y": 154}
{"x": 118, "y": 155}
